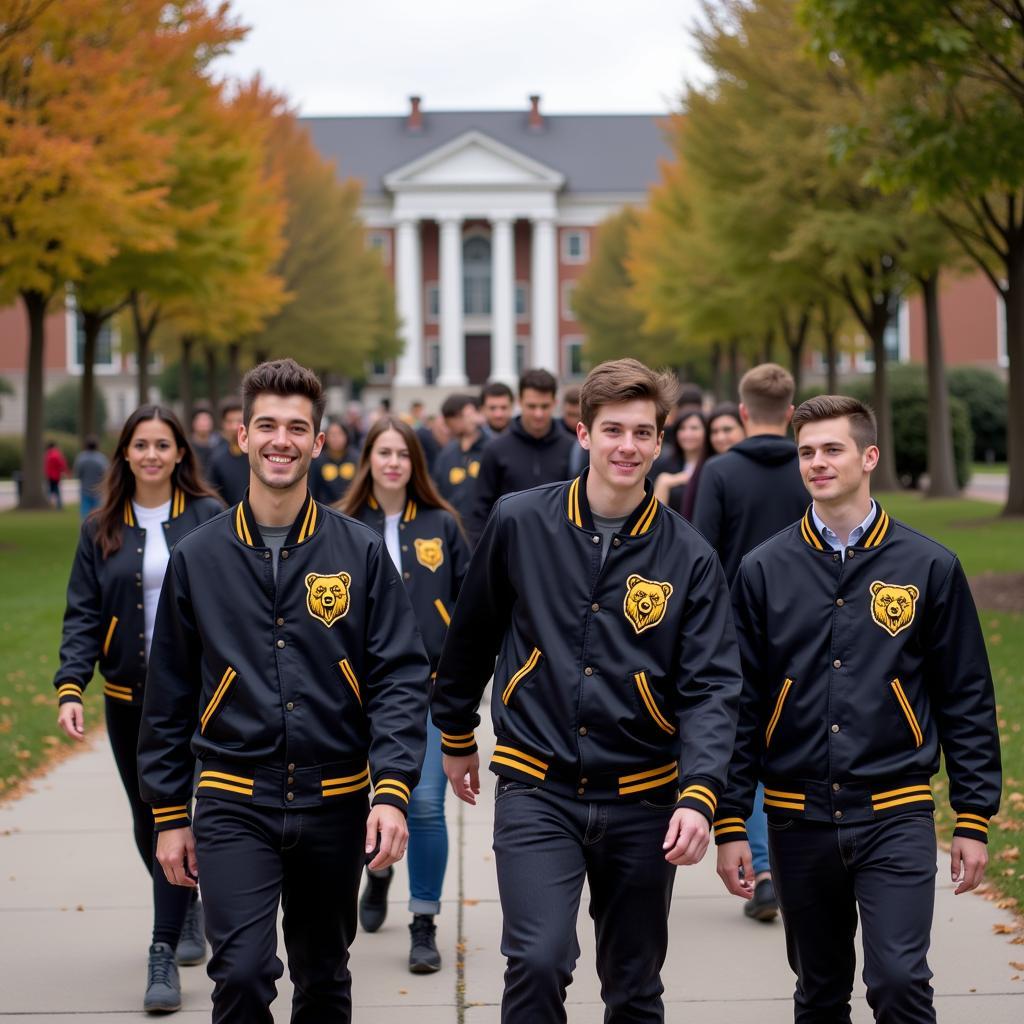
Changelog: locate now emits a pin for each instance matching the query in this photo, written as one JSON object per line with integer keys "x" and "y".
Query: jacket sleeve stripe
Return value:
{"x": 693, "y": 793}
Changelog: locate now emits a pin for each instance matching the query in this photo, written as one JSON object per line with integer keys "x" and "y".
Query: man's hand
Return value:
{"x": 969, "y": 858}
{"x": 176, "y": 854}
{"x": 464, "y": 775}
{"x": 71, "y": 718}
{"x": 731, "y": 858}
{"x": 394, "y": 834}
{"x": 686, "y": 840}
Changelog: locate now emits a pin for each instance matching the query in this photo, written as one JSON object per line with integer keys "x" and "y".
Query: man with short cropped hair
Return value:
{"x": 228, "y": 469}
{"x": 458, "y": 465}
{"x": 496, "y": 404}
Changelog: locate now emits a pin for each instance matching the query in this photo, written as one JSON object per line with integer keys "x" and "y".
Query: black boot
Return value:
{"x": 163, "y": 987}
{"x": 763, "y": 906}
{"x": 373, "y": 904}
{"x": 423, "y": 955}
{"x": 192, "y": 941}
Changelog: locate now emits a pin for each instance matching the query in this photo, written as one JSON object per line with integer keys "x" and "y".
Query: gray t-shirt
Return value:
{"x": 90, "y": 465}
{"x": 274, "y": 537}
{"x": 607, "y": 528}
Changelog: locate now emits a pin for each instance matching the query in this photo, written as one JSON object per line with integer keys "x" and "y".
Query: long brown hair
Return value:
{"x": 119, "y": 481}
{"x": 420, "y": 487}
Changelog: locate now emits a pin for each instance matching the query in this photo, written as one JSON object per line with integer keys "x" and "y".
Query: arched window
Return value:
{"x": 476, "y": 276}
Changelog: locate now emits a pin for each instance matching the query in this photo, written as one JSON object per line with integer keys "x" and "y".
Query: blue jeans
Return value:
{"x": 757, "y": 833}
{"x": 428, "y": 834}
{"x": 88, "y": 503}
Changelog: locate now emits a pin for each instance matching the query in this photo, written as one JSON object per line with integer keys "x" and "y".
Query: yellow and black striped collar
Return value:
{"x": 411, "y": 508}
{"x": 877, "y": 531}
{"x": 177, "y": 507}
{"x": 305, "y": 525}
{"x": 577, "y": 508}
{"x": 129, "y": 513}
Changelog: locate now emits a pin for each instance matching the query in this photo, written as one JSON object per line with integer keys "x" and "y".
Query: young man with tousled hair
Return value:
{"x": 285, "y": 657}
{"x": 614, "y": 705}
{"x": 458, "y": 465}
{"x": 863, "y": 659}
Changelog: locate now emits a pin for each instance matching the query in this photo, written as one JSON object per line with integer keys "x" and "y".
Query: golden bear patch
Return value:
{"x": 474, "y": 468}
{"x": 892, "y": 606}
{"x": 456, "y": 476}
{"x": 430, "y": 553}
{"x": 645, "y": 602}
{"x": 329, "y": 472}
{"x": 327, "y": 596}
{"x": 347, "y": 470}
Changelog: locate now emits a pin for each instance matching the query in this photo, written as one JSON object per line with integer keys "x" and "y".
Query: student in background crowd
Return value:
{"x": 535, "y": 449}
{"x": 458, "y": 465}
{"x": 496, "y": 404}
{"x": 570, "y": 418}
{"x": 205, "y": 441}
{"x": 677, "y": 482}
{"x": 335, "y": 467}
{"x": 688, "y": 399}
{"x": 55, "y": 466}
{"x": 725, "y": 427}
{"x": 229, "y": 465}
{"x": 154, "y": 496}
{"x": 354, "y": 424}
{"x": 393, "y": 494}
{"x": 89, "y": 468}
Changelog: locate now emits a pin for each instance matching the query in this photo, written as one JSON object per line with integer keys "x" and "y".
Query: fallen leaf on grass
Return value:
{"x": 1011, "y": 853}
{"x": 1003, "y": 929}
{"x": 1007, "y": 903}
{"x": 1017, "y": 965}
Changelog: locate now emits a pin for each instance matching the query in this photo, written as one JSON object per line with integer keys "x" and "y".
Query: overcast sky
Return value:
{"x": 369, "y": 56}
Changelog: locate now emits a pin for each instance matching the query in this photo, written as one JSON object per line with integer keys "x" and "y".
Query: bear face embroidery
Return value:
{"x": 645, "y": 602}
{"x": 456, "y": 476}
{"x": 430, "y": 553}
{"x": 893, "y": 606}
{"x": 327, "y": 596}
{"x": 347, "y": 470}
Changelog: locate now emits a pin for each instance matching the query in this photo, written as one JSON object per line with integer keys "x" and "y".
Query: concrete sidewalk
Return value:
{"x": 75, "y": 920}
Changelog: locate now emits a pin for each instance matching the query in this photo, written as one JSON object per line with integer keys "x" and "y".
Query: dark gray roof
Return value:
{"x": 595, "y": 152}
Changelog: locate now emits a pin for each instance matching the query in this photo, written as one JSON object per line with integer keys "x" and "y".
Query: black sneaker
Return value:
{"x": 763, "y": 906}
{"x": 192, "y": 941}
{"x": 423, "y": 955}
{"x": 373, "y": 904}
{"x": 163, "y": 987}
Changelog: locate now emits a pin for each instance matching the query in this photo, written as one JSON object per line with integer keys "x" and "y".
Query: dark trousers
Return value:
{"x": 309, "y": 860}
{"x": 545, "y": 846}
{"x": 170, "y": 902}
{"x": 823, "y": 875}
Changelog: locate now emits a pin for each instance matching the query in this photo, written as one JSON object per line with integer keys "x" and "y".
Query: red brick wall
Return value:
{"x": 14, "y": 339}
{"x": 568, "y": 325}
{"x": 969, "y": 311}
{"x": 430, "y": 243}
{"x": 523, "y": 236}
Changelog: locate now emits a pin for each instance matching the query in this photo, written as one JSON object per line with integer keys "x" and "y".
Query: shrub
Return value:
{"x": 985, "y": 394}
{"x": 63, "y": 409}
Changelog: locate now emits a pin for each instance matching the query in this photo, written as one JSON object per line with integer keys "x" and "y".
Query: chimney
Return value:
{"x": 535, "y": 122}
{"x": 414, "y": 123}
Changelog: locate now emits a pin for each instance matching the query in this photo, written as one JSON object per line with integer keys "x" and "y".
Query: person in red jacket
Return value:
{"x": 54, "y": 466}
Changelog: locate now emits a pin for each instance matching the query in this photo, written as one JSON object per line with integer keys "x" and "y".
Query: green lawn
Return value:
{"x": 990, "y": 468}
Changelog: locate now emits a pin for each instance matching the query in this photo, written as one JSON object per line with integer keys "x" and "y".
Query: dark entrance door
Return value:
{"x": 478, "y": 358}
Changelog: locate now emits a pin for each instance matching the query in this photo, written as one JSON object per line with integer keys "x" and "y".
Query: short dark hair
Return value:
{"x": 199, "y": 408}
{"x": 283, "y": 377}
{"x": 689, "y": 396}
{"x": 625, "y": 380}
{"x": 863, "y": 425}
{"x": 538, "y": 380}
{"x": 571, "y": 394}
{"x": 495, "y": 389}
{"x": 454, "y": 404}
{"x": 231, "y": 404}
{"x": 92, "y": 442}
{"x": 767, "y": 392}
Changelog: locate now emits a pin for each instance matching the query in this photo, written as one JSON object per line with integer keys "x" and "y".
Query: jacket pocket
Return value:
{"x": 777, "y": 712}
{"x": 442, "y": 611}
{"x": 216, "y": 703}
{"x": 643, "y": 688}
{"x": 908, "y": 711}
{"x": 529, "y": 666}
{"x": 110, "y": 635}
{"x": 348, "y": 677}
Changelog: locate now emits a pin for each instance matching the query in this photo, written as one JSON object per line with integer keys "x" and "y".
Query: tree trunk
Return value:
{"x": 32, "y": 495}
{"x": 92, "y": 324}
{"x": 768, "y": 346}
{"x": 144, "y": 330}
{"x": 829, "y": 332}
{"x": 262, "y": 355}
{"x": 884, "y": 478}
{"x": 716, "y": 370}
{"x": 212, "y": 392}
{"x": 1013, "y": 298}
{"x": 796, "y": 340}
{"x": 234, "y": 373}
{"x": 942, "y": 481}
{"x": 734, "y": 369}
{"x": 185, "y": 379}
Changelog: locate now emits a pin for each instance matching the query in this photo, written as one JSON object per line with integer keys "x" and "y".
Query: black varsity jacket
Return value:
{"x": 455, "y": 473}
{"x": 613, "y": 681}
{"x": 282, "y": 691}
{"x": 435, "y": 557}
{"x": 856, "y": 673}
{"x": 330, "y": 474}
{"x": 104, "y": 620}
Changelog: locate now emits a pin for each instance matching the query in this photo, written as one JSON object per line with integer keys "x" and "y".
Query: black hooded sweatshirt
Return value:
{"x": 747, "y": 495}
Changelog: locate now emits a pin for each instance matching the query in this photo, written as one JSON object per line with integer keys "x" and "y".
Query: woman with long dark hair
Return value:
{"x": 153, "y": 494}
{"x": 725, "y": 428}
{"x": 392, "y": 492}
{"x": 677, "y": 485}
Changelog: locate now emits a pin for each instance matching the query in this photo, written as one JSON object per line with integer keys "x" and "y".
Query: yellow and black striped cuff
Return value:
{"x": 700, "y": 798}
{"x": 171, "y": 815}
{"x": 458, "y": 744}
{"x": 391, "y": 791}
{"x": 729, "y": 830}
{"x": 971, "y": 826}
{"x": 68, "y": 692}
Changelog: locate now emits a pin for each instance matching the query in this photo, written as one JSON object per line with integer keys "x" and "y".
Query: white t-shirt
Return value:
{"x": 154, "y": 560}
{"x": 391, "y": 539}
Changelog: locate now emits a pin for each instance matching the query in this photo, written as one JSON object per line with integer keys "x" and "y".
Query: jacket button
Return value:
{"x": 280, "y": 643}
{"x": 616, "y": 542}
{"x": 595, "y": 607}
{"x": 840, "y": 602}
{"x": 405, "y": 575}
{"x": 583, "y": 730}
{"x": 291, "y": 780}
{"x": 138, "y": 575}
{"x": 139, "y": 606}
{"x": 837, "y": 815}
{"x": 284, "y": 553}
{"x": 280, "y": 622}
{"x": 835, "y": 728}
{"x": 835, "y": 787}
{"x": 837, "y": 663}
{"x": 291, "y": 767}
{"x": 290, "y": 796}
{"x": 291, "y": 707}
{"x": 139, "y": 550}
{"x": 405, "y": 547}
{"x": 142, "y": 654}
{"x": 850, "y": 553}
{"x": 588, "y": 671}
{"x": 266, "y": 554}
{"x": 596, "y": 539}
{"x": 835, "y": 557}
{"x": 579, "y": 791}
{"x": 142, "y": 636}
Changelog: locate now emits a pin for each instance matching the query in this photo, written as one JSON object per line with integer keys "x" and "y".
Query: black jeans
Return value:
{"x": 823, "y": 875}
{"x": 251, "y": 859}
{"x": 545, "y": 846}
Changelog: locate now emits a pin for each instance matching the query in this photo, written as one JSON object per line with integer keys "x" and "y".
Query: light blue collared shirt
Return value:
{"x": 855, "y": 534}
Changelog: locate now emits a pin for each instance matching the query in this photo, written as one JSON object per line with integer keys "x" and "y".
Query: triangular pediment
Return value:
{"x": 474, "y": 160}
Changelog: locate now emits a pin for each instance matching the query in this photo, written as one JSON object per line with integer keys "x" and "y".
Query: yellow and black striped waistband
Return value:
{"x": 843, "y": 802}
{"x": 290, "y": 786}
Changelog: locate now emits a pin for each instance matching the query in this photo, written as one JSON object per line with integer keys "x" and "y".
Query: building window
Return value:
{"x": 107, "y": 344}
{"x": 380, "y": 369}
{"x": 381, "y": 241}
{"x": 575, "y": 247}
{"x": 104, "y": 344}
{"x": 568, "y": 287}
{"x": 522, "y": 301}
{"x": 433, "y": 303}
{"x": 574, "y": 364}
{"x": 476, "y": 276}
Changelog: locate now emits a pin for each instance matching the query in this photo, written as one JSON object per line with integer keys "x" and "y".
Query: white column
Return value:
{"x": 453, "y": 344}
{"x": 544, "y": 291}
{"x": 503, "y": 302}
{"x": 409, "y": 296}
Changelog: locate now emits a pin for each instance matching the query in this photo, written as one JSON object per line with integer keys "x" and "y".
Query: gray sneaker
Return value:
{"x": 163, "y": 987}
{"x": 192, "y": 941}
